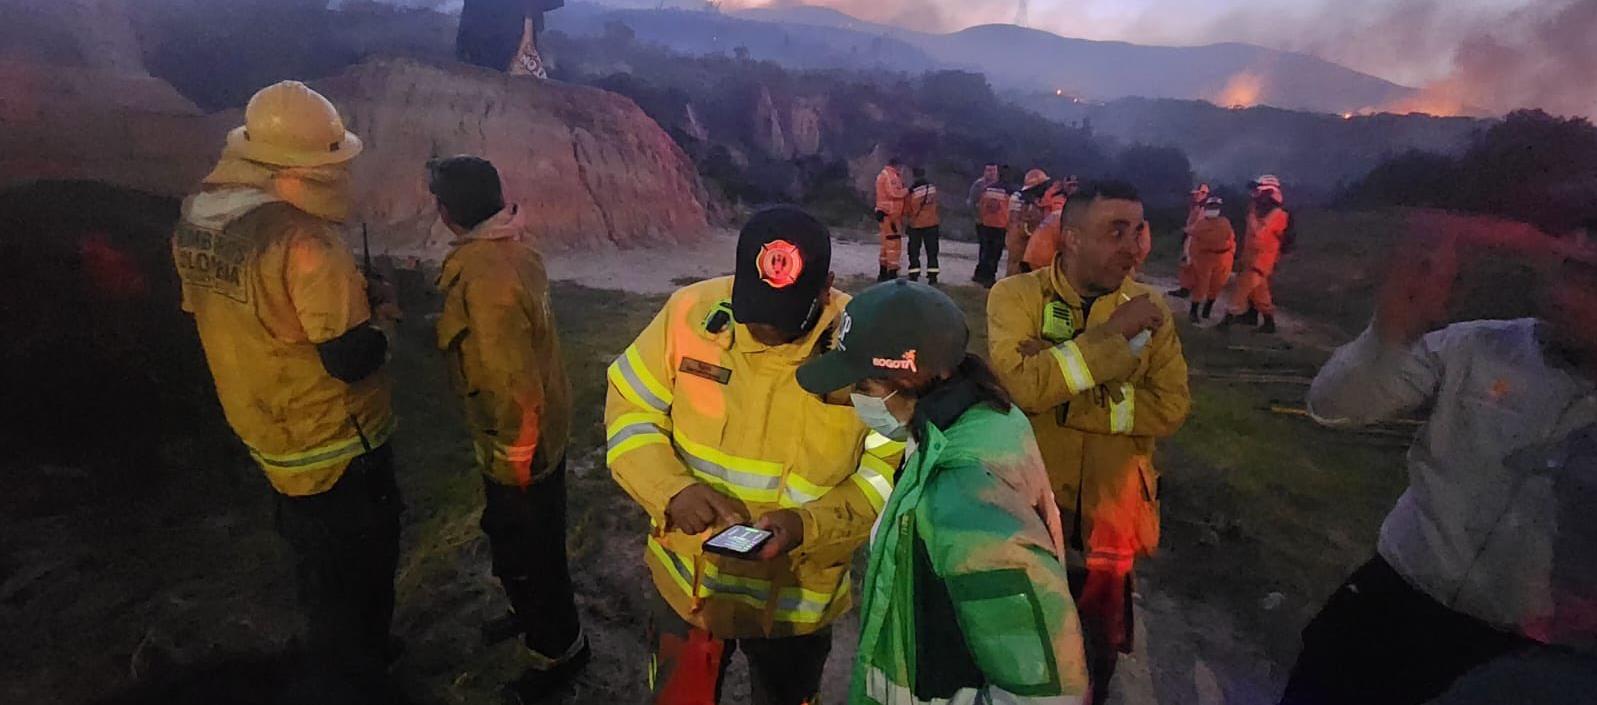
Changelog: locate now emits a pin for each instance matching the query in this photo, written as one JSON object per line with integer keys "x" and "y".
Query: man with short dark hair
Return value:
{"x": 989, "y": 198}
{"x": 499, "y": 335}
{"x": 1491, "y": 552}
{"x": 1092, "y": 356}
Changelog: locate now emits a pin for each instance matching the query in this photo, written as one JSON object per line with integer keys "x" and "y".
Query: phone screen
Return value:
{"x": 739, "y": 539}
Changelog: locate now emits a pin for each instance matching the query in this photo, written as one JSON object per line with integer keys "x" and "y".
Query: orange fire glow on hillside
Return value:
{"x": 1442, "y": 99}
{"x": 1241, "y": 91}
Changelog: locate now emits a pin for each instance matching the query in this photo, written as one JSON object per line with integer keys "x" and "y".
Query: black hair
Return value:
{"x": 973, "y": 369}
{"x": 919, "y": 172}
{"x": 1094, "y": 190}
{"x": 468, "y": 187}
{"x": 895, "y": 161}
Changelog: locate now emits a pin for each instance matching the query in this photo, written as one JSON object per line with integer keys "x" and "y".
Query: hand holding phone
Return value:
{"x": 699, "y": 507}
{"x": 739, "y": 541}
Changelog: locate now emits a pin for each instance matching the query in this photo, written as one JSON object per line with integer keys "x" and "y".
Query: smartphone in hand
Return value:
{"x": 738, "y": 541}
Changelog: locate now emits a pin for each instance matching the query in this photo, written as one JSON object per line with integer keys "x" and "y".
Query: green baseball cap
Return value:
{"x": 891, "y": 330}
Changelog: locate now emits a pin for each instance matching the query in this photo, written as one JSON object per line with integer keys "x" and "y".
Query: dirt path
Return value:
{"x": 663, "y": 270}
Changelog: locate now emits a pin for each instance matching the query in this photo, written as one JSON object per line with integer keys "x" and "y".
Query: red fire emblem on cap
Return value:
{"x": 780, "y": 264}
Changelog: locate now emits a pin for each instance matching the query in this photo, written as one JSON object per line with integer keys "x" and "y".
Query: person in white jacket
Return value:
{"x": 1492, "y": 550}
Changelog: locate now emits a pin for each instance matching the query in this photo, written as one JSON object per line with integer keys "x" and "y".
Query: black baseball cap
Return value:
{"x": 891, "y": 330}
{"x": 784, "y": 259}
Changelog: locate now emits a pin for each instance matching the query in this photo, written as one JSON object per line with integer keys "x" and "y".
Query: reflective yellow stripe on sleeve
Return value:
{"x": 1123, "y": 413}
{"x": 874, "y": 483}
{"x": 881, "y": 446}
{"x": 798, "y": 491}
{"x": 632, "y": 431}
{"x": 745, "y": 478}
{"x": 632, "y": 378}
{"x": 1073, "y": 366}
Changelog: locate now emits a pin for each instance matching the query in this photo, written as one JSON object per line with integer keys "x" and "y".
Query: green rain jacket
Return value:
{"x": 965, "y": 597}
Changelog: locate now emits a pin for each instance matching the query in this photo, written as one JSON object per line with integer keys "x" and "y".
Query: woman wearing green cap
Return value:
{"x": 965, "y": 596}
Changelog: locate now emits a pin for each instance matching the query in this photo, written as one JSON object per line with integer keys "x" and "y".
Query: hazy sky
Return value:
{"x": 1409, "y": 41}
{"x": 1494, "y": 53}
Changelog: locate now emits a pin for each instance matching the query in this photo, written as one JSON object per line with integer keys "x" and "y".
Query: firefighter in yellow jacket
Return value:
{"x": 288, "y": 330}
{"x": 498, "y": 334}
{"x": 1094, "y": 359}
{"x": 708, "y": 427}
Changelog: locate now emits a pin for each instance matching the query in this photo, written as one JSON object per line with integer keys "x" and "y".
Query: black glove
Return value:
{"x": 881, "y": 215}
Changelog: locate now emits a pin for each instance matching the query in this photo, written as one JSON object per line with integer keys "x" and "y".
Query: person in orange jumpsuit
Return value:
{"x": 1267, "y": 224}
{"x": 1027, "y": 211}
{"x": 1212, "y": 248}
{"x": 1185, "y": 275}
{"x": 890, "y": 197}
{"x": 1045, "y": 241}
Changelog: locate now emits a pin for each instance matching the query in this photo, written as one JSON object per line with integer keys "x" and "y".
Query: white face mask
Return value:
{"x": 873, "y": 411}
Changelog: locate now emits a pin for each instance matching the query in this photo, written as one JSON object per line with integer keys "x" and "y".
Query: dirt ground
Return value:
{"x": 177, "y": 590}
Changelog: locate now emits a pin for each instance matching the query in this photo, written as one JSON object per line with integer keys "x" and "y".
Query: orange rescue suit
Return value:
{"x": 993, "y": 209}
{"x": 921, "y": 207}
{"x": 1259, "y": 256}
{"x": 890, "y": 197}
{"x": 1212, "y": 245}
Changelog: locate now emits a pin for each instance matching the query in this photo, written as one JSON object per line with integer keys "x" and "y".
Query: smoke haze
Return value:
{"x": 1465, "y": 55}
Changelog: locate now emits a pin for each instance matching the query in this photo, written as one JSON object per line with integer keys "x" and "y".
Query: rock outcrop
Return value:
{"x": 804, "y": 125}
{"x": 768, "y": 133}
{"x": 62, "y": 122}
{"x": 786, "y": 128}
{"x": 588, "y": 166}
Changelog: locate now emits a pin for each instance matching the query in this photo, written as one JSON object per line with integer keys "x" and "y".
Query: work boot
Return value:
{"x": 1269, "y": 324}
{"x": 535, "y": 685}
{"x": 931, "y": 279}
{"x": 1225, "y": 323}
{"x": 1250, "y": 318}
{"x": 881, "y": 273}
{"x": 1181, "y": 293}
{"x": 914, "y": 276}
{"x": 1192, "y": 313}
{"x": 1208, "y": 309}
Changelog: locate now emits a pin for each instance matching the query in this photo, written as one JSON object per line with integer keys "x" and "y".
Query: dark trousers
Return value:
{"x": 526, "y": 529}
{"x": 1379, "y": 641}
{"x": 490, "y": 32}
{"x": 1098, "y": 641}
{"x": 687, "y": 664}
{"x": 989, "y": 250}
{"x": 346, "y": 547}
{"x": 931, "y": 238}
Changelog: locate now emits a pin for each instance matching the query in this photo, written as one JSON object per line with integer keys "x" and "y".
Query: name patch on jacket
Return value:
{"x": 700, "y": 368}
{"x": 210, "y": 259}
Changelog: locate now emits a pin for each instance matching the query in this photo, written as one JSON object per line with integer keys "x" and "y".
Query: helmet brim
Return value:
{"x": 345, "y": 150}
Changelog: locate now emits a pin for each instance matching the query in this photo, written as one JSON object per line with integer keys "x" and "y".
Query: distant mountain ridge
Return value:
{"x": 1013, "y": 58}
